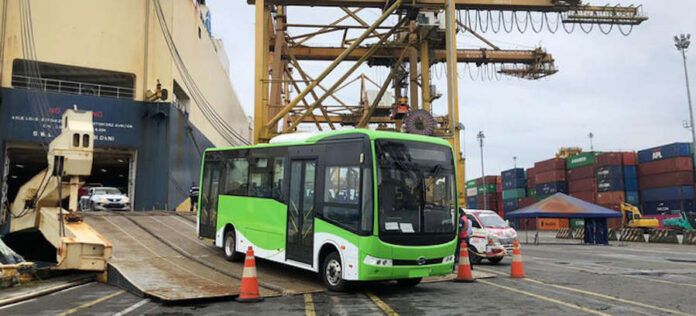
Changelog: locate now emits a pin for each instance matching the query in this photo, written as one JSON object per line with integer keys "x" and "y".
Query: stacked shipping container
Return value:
{"x": 617, "y": 181}
{"x": 479, "y": 196}
{"x": 550, "y": 178}
{"x": 514, "y": 186}
{"x": 666, "y": 179}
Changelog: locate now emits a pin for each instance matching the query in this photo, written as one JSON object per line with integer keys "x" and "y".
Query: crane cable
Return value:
{"x": 484, "y": 21}
{"x": 213, "y": 117}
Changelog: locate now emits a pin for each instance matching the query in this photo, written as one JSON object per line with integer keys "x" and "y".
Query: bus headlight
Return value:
{"x": 377, "y": 261}
{"x": 448, "y": 259}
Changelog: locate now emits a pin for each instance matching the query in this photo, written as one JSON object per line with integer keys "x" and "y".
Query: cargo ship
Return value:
{"x": 155, "y": 78}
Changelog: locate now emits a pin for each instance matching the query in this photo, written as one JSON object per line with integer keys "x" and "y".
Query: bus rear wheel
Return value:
{"x": 228, "y": 244}
{"x": 332, "y": 273}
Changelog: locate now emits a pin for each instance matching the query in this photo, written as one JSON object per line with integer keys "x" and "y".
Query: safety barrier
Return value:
{"x": 564, "y": 233}
{"x": 579, "y": 233}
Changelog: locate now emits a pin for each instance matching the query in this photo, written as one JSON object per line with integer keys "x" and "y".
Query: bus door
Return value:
{"x": 212, "y": 174}
{"x": 300, "y": 223}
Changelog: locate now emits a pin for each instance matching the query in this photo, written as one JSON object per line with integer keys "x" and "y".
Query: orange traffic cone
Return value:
{"x": 464, "y": 270}
{"x": 250, "y": 285}
{"x": 516, "y": 267}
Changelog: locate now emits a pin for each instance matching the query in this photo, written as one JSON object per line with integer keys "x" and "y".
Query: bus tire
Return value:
{"x": 228, "y": 246}
{"x": 408, "y": 282}
{"x": 332, "y": 273}
{"x": 495, "y": 260}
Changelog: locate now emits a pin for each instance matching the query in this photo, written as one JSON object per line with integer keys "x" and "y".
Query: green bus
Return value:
{"x": 351, "y": 205}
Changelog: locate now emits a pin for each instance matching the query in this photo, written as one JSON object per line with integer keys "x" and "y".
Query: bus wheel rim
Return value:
{"x": 228, "y": 245}
{"x": 333, "y": 272}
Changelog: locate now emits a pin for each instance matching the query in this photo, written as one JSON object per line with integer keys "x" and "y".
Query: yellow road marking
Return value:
{"x": 309, "y": 305}
{"x": 92, "y": 303}
{"x": 381, "y": 304}
{"x": 604, "y": 296}
{"x": 584, "y": 309}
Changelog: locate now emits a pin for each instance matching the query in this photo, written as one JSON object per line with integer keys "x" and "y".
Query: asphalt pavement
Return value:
{"x": 564, "y": 278}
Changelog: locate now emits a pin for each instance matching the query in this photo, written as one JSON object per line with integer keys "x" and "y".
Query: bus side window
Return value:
{"x": 237, "y": 177}
{"x": 342, "y": 196}
{"x": 278, "y": 173}
{"x": 260, "y": 176}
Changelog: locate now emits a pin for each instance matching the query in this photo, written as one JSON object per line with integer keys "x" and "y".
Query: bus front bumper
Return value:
{"x": 370, "y": 272}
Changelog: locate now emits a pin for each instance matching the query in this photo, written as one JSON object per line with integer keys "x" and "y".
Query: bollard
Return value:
{"x": 646, "y": 236}
{"x": 680, "y": 238}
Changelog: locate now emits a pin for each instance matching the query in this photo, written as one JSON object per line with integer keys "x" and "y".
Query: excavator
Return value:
{"x": 38, "y": 205}
{"x": 633, "y": 218}
{"x": 683, "y": 222}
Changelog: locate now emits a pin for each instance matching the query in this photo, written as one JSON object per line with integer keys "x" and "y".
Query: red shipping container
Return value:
{"x": 609, "y": 159}
{"x": 665, "y": 165}
{"x": 587, "y": 196}
{"x": 612, "y": 197}
{"x": 583, "y": 172}
{"x": 550, "y": 176}
{"x": 531, "y": 183}
{"x": 499, "y": 188}
{"x": 629, "y": 159}
{"x": 527, "y": 223}
{"x": 499, "y": 180}
{"x": 666, "y": 180}
{"x": 489, "y": 180}
{"x": 550, "y": 164}
{"x": 526, "y": 201}
{"x": 615, "y": 207}
{"x": 614, "y": 222}
{"x": 589, "y": 184}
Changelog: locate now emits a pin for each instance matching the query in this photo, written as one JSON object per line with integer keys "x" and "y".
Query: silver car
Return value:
{"x": 104, "y": 199}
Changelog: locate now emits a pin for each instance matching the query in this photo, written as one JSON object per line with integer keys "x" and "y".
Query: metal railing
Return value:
{"x": 71, "y": 87}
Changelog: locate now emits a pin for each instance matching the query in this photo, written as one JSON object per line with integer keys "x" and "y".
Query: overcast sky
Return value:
{"x": 628, "y": 91}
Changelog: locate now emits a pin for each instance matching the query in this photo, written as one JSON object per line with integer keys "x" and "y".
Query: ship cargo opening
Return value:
{"x": 110, "y": 168}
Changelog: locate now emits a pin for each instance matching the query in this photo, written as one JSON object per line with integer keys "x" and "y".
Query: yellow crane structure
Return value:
{"x": 408, "y": 37}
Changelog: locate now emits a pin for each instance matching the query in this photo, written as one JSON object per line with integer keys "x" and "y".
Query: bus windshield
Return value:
{"x": 415, "y": 187}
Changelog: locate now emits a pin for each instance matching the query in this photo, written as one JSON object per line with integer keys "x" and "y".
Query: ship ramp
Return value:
{"x": 158, "y": 254}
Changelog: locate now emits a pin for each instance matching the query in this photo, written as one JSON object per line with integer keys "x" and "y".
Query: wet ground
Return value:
{"x": 571, "y": 279}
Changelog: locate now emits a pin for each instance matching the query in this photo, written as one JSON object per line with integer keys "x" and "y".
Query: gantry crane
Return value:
{"x": 408, "y": 37}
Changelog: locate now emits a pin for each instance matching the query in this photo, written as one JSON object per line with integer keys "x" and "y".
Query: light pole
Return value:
{"x": 591, "y": 136}
{"x": 682, "y": 42}
{"x": 480, "y": 138}
{"x": 514, "y": 162}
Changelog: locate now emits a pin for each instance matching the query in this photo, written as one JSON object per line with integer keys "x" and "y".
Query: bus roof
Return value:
{"x": 370, "y": 133}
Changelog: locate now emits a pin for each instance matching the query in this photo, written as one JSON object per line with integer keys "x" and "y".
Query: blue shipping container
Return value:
{"x": 611, "y": 184}
{"x": 667, "y": 207}
{"x": 471, "y": 206}
{"x": 631, "y": 184}
{"x": 664, "y": 152}
{"x": 551, "y": 188}
{"x": 510, "y": 205}
{"x": 515, "y": 183}
{"x": 685, "y": 192}
{"x": 609, "y": 172}
{"x": 632, "y": 197}
{"x": 471, "y": 199}
{"x": 515, "y": 173}
{"x": 630, "y": 172}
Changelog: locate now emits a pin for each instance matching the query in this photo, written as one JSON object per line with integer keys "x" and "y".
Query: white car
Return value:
{"x": 104, "y": 199}
{"x": 492, "y": 237}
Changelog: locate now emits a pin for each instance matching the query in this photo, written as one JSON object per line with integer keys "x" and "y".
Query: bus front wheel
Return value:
{"x": 231, "y": 254}
{"x": 332, "y": 273}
